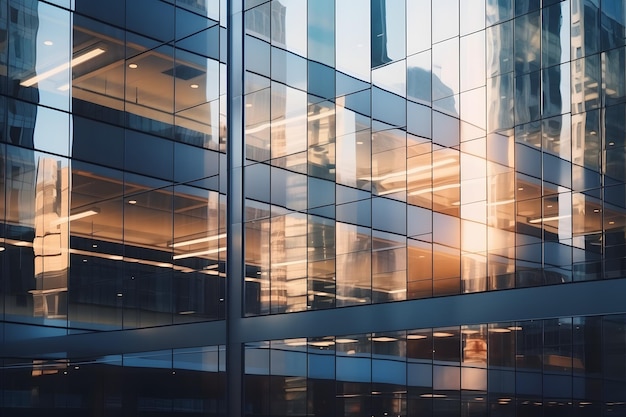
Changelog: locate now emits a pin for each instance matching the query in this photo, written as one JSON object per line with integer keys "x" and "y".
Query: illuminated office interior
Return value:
{"x": 272, "y": 208}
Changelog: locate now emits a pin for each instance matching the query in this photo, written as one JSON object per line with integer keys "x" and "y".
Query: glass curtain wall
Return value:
{"x": 393, "y": 151}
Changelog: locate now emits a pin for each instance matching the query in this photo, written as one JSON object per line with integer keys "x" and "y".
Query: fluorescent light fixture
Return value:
{"x": 322, "y": 343}
{"x": 549, "y": 219}
{"x": 289, "y": 263}
{"x": 415, "y": 170}
{"x": 499, "y": 330}
{"x": 199, "y": 240}
{"x": 435, "y": 189}
{"x": 384, "y": 339}
{"x": 442, "y": 334}
{"x": 501, "y": 203}
{"x": 203, "y": 252}
{"x": 416, "y": 336}
{"x": 53, "y": 71}
{"x": 81, "y": 215}
{"x": 340, "y": 340}
{"x": 292, "y": 119}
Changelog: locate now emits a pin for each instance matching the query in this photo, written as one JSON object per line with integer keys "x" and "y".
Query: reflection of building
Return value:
{"x": 425, "y": 218}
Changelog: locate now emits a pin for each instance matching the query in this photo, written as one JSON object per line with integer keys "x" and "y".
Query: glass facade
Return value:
{"x": 313, "y": 207}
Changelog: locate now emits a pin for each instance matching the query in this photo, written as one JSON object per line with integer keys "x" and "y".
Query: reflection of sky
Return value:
{"x": 51, "y": 131}
{"x": 54, "y": 25}
{"x": 395, "y": 29}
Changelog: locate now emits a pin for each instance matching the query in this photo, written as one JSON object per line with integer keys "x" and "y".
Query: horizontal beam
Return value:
{"x": 566, "y": 300}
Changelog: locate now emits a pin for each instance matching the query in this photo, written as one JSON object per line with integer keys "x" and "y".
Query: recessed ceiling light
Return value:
{"x": 132, "y": 202}
{"x": 194, "y": 86}
{"x": 611, "y": 143}
{"x": 2, "y": 249}
{"x": 248, "y": 105}
{"x": 549, "y": 206}
{"x": 611, "y": 222}
{"x": 133, "y": 65}
{"x": 520, "y": 189}
{"x": 48, "y": 43}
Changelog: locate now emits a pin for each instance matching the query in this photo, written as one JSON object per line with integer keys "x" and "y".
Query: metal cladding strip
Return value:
{"x": 566, "y": 300}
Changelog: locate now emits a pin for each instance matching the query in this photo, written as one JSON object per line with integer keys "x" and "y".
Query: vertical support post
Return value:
{"x": 235, "y": 207}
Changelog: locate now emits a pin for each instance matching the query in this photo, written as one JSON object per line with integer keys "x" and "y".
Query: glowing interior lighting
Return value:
{"x": 76, "y": 216}
{"x": 416, "y": 336}
{"x": 48, "y": 43}
{"x": 199, "y": 240}
{"x": 469, "y": 331}
{"x": 53, "y": 71}
{"x": 499, "y": 330}
{"x": 384, "y": 339}
{"x": 340, "y": 340}
{"x": 442, "y": 334}
{"x": 415, "y": 170}
{"x": 514, "y": 328}
{"x": 549, "y": 219}
{"x": 132, "y": 65}
{"x": 283, "y": 122}
{"x": 2, "y": 249}
{"x": 322, "y": 343}
{"x": 194, "y": 86}
{"x": 501, "y": 203}
{"x": 200, "y": 253}
{"x": 435, "y": 189}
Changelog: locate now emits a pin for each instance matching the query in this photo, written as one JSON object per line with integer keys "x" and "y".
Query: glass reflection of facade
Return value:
{"x": 313, "y": 208}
